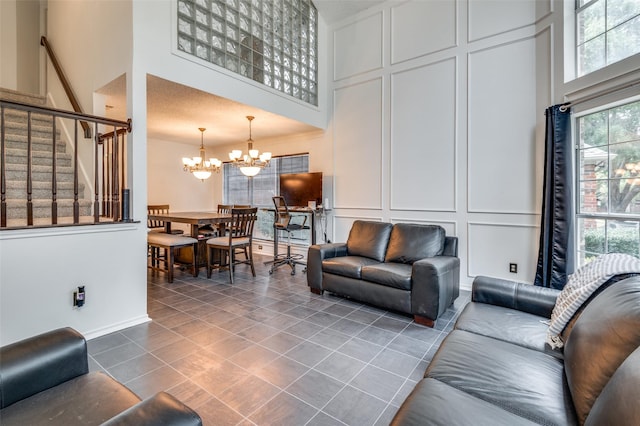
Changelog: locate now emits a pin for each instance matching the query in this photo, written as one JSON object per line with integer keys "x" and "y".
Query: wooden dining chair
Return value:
{"x": 158, "y": 225}
{"x": 220, "y": 227}
{"x": 221, "y": 251}
{"x": 169, "y": 243}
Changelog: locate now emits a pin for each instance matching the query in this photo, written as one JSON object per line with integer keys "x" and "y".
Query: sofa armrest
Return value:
{"x": 510, "y": 294}
{"x": 435, "y": 284}
{"x": 317, "y": 253}
{"x": 41, "y": 362}
{"x": 160, "y": 409}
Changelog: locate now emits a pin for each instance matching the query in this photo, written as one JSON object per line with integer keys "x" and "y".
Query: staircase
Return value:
{"x": 16, "y": 156}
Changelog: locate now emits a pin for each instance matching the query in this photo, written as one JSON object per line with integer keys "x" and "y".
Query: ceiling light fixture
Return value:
{"x": 200, "y": 167}
{"x": 250, "y": 164}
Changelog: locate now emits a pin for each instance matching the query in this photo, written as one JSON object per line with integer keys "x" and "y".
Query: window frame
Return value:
{"x": 577, "y": 10}
{"x": 581, "y": 254}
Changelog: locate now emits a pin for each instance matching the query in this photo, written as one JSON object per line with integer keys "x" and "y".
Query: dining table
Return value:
{"x": 196, "y": 220}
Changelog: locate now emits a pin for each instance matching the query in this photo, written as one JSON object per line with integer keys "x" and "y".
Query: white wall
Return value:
{"x": 8, "y": 45}
{"x": 438, "y": 113}
{"x": 39, "y": 271}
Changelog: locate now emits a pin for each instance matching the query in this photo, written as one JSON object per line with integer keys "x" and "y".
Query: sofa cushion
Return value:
{"x": 369, "y": 239}
{"x": 604, "y": 335}
{"x": 616, "y": 404}
{"x": 88, "y": 399}
{"x": 513, "y": 326}
{"x": 390, "y": 274}
{"x": 524, "y": 382}
{"x": 347, "y": 266}
{"x": 410, "y": 242}
{"x": 435, "y": 403}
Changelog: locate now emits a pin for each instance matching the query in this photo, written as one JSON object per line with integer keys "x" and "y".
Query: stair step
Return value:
{"x": 38, "y": 158}
{"x": 38, "y": 173}
{"x": 15, "y": 117}
{"x": 41, "y": 190}
{"x": 25, "y": 98}
{"x": 37, "y": 143}
{"x": 17, "y": 209}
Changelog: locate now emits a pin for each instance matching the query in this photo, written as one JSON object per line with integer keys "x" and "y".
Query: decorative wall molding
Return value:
{"x": 501, "y": 17}
{"x": 453, "y": 225}
{"x": 358, "y": 138}
{"x": 424, "y": 137}
{"x": 502, "y": 118}
{"x": 358, "y": 47}
{"x": 501, "y": 243}
{"x": 411, "y": 21}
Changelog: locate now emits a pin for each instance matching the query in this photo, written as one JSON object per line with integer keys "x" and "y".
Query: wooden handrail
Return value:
{"x": 65, "y": 85}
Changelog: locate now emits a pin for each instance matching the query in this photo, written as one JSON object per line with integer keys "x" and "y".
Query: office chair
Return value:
{"x": 283, "y": 222}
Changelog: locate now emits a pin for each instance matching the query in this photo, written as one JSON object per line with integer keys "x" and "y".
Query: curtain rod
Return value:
{"x": 588, "y": 98}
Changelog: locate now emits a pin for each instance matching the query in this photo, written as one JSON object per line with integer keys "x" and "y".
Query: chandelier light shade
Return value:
{"x": 201, "y": 168}
{"x": 250, "y": 164}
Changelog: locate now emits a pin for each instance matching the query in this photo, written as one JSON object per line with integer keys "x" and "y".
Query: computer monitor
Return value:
{"x": 300, "y": 188}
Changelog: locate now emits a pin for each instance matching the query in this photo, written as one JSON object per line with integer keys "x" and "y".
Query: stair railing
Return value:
{"x": 65, "y": 84}
{"x": 109, "y": 168}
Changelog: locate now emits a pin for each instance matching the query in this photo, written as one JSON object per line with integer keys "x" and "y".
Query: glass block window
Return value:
{"x": 273, "y": 42}
{"x": 607, "y": 31}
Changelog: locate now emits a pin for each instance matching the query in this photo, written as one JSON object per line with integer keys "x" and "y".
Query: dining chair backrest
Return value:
{"x": 156, "y": 209}
{"x": 224, "y": 208}
{"x": 241, "y": 206}
{"x": 242, "y": 221}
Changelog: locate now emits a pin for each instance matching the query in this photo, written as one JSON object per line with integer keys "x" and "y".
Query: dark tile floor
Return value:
{"x": 265, "y": 350}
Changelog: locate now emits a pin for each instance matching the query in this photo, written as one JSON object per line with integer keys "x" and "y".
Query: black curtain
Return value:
{"x": 556, "y": 252}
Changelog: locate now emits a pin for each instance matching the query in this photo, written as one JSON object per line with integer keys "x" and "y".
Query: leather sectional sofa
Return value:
{"x": 495, "y": 367}
{"x": 45, "y": 380}
{"x": 408, "y": 268}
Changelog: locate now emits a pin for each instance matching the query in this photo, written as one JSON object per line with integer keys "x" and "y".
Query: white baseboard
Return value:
{"x": 88, "y": 335}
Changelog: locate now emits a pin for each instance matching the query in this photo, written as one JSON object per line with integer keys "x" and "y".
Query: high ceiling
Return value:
{"x": 175, "y": 112}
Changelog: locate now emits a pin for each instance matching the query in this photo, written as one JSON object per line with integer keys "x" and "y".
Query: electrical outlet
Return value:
{"x": 259, "y": 247}
{"x": 513, "y": 268}
{"x": 79, "y": 297}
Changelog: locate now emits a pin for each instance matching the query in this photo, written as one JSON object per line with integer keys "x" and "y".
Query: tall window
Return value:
{"x": 607, "y": 31}
{"x": 608, "y": 154}
{"x": 257, "y": 191}
{"x": 273, "y": 42}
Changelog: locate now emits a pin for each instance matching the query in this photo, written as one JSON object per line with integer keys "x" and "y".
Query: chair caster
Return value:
{"x": 293, "y": 272}
{"x": 271, "y": 271}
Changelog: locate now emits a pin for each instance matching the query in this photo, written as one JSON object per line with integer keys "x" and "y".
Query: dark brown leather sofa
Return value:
{"x": 45, "y": 380}
{"x": 408, "y": 268}
{"x": 495, "y": 368}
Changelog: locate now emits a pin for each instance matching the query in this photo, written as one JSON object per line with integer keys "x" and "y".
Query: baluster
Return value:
{"x": 115, "y": 175}
{"x": 96, "y": 176}
{"x": 29, "y": 172}
{"x": 3, "y": 181}
{"x": 76, "y": 205}
{"x": 54, "y": 177}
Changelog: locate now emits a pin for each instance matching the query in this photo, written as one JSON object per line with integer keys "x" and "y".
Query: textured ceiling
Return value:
{"x": 175, "y": 112}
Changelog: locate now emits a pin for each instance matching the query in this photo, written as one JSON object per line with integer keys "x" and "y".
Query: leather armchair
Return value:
{"x": 46, "y": 380}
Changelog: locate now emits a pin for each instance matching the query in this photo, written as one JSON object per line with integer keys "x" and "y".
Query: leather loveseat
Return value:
{"x": 45, "y": 380}
{"x": 495, "y": 367}
{"x": 408, "y": 268}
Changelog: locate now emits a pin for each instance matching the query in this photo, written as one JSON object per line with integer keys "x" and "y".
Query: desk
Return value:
{"x": 195, "y": 219}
